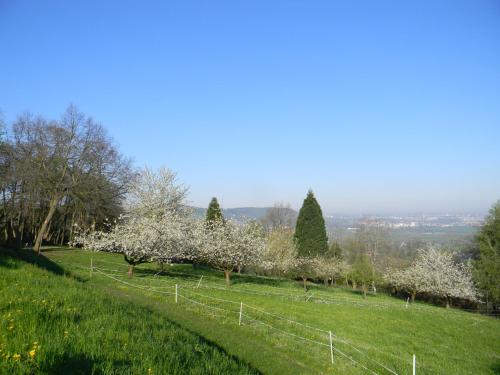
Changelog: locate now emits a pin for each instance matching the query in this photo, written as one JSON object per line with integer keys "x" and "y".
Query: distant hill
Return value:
{"x": 238, "y": 213}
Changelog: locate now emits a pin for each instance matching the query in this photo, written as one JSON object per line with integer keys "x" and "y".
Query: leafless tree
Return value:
{"x": 278, "y": 217}
{"x": 58, "y": 173}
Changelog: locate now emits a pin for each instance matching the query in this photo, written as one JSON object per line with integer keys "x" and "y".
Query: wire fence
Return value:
{"x": 192, "y": 290}
{"x": 316, "y": 297}
{"x": 254, "y": 316}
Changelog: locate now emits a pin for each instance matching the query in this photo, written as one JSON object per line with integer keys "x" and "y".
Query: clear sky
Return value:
{"x": 378, "y": 106}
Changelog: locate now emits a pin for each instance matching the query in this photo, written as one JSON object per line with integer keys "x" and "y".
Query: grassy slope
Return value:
{"x": 382, "y": 329}
{"x": 74, "y": 328}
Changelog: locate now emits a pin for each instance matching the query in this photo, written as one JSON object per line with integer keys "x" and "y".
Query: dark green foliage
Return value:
{"x": 363, "y": 272}
{"x": 214, "y": 212}
{"x": 310, "y": 233}
{"x": 334, "y": 251}
{"x": 487, "y": 267}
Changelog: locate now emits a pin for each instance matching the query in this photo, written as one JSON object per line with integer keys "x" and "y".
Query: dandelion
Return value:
{"x": 150, "y": 370}
{"x": 32, "y": 353}
{"x": 11, "y": 327}
{"x": 16, "y": 357}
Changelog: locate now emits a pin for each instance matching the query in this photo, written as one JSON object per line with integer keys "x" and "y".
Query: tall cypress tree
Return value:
{"x": 214, "y": 212}
{"x": 310, "y": 232}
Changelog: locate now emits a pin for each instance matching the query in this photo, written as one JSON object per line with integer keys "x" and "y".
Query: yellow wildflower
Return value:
{"x": 16, "y": 357}
{"x": 32, "y": 353}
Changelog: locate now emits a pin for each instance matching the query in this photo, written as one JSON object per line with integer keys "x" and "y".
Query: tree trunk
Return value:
{"x": 413, "y": 294}
{"x": 325, "y": 281}
{"x": 447, "y": 302}
{"x": 130, "y": 272}
{"x": 239, "y": 270}
{"x": 364, "y": 291}
{"x": 41, "y": 232}
{"x": 354, "y": 285}
{"x": 227, "y": 275}
{"x": 304, "y": 280}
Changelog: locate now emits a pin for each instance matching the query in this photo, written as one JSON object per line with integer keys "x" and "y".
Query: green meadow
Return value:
{"x": 59, "y": 316}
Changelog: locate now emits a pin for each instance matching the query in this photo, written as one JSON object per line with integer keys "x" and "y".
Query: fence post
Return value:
{"x": 176, "y": 293}
{"x": 331, "y": 346}
{"x": 414, "y": 365}
{"x": 91, "y": 267}
{"x": 241, "y": 313}
{"x": 407, "y": 300}
{"x": 199, "y": 282}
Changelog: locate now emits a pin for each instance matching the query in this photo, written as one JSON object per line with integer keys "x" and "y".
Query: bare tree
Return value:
{"x": 279, "y": 216}
{"x": 59, "y": 173}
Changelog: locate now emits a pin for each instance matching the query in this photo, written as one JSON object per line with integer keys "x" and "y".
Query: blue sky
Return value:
{"x": 378, "y": 106}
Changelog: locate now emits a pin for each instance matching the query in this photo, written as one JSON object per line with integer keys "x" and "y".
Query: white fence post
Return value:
{"x": 407, "y": 300}
{"x": 331, "y": 346}
{"x": 199, "y": 282}
{"x": 241, "y": 313}
{"x": 414, "y": 365}
{"x": 176, "y": 293}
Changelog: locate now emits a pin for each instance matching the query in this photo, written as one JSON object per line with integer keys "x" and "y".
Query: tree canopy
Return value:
{"x": 487, "y": 266}
{"x": 310, "y": 232}
{"x": 214, "y": 213}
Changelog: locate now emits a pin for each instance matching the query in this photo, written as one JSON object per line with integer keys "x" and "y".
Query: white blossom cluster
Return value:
{"x": 159, "y": 227}
{"x": 227, "y": 245}
{"x": 435, "y": 273}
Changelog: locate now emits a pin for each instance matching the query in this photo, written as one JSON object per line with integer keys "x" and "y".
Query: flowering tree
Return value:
{"x": 145, "y": 239}
{"x": 436, "y": 273}
{"x": 330, "y": 268}
{"x": 227, "y": 245}
{"x": 157, "y": 227}
{"x": 412, "y": 280}
{"x": 281, "y": 252}
{"x": 362, "y": 272}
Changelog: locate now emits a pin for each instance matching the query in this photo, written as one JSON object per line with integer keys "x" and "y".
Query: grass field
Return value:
{"x": 119, "y": 325}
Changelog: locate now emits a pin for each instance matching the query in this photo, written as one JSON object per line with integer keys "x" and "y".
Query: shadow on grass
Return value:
{"x": 46, "y": 249}
{"x": 68, "y": 363}
{"x": 29, "y": 256}
{"x": 496, "y": 368}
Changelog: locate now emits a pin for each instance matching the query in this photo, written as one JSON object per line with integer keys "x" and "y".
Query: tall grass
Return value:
{"x": 54, "y": 324}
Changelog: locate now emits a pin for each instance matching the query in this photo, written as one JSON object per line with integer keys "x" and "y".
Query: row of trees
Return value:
{"x": 65, "y": 182}
{"x": 54, "y": 174}
{"x": 158, "y": 226}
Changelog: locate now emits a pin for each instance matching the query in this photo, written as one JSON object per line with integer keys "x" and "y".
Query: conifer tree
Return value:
{"x": 487, "y": 266}
{"x": 214, "y": 212}
{"x": 310, "y": 232}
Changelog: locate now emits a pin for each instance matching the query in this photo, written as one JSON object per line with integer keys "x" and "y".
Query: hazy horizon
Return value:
{"x": 379, "y": 107}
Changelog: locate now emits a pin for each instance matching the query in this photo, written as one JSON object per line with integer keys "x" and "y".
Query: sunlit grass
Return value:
{"x": 378, "y": 334}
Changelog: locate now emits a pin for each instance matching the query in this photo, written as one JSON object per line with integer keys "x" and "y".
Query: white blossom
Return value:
{"x": 228, "y": 245}
{"x": 435, "y": 272}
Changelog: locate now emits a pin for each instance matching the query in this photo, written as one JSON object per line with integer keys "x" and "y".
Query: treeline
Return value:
{"x": 65, "y": 182}
{"x": 55, "y": 174}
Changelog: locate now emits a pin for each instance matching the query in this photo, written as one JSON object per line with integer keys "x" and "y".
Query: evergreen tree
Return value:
{"x": 214, "y": 212}
{"x": 310, "y": 232}
{"x": 334, "y": 251}
{"x": 487, "y": 267}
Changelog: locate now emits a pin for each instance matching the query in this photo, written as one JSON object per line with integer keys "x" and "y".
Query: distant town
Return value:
{"x": 407, "y": 221}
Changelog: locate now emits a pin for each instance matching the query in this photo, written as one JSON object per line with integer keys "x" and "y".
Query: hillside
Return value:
{"x": 239, "y": 213}
{"x": 56, "y": 323}
{"x": 103, "y": 321}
